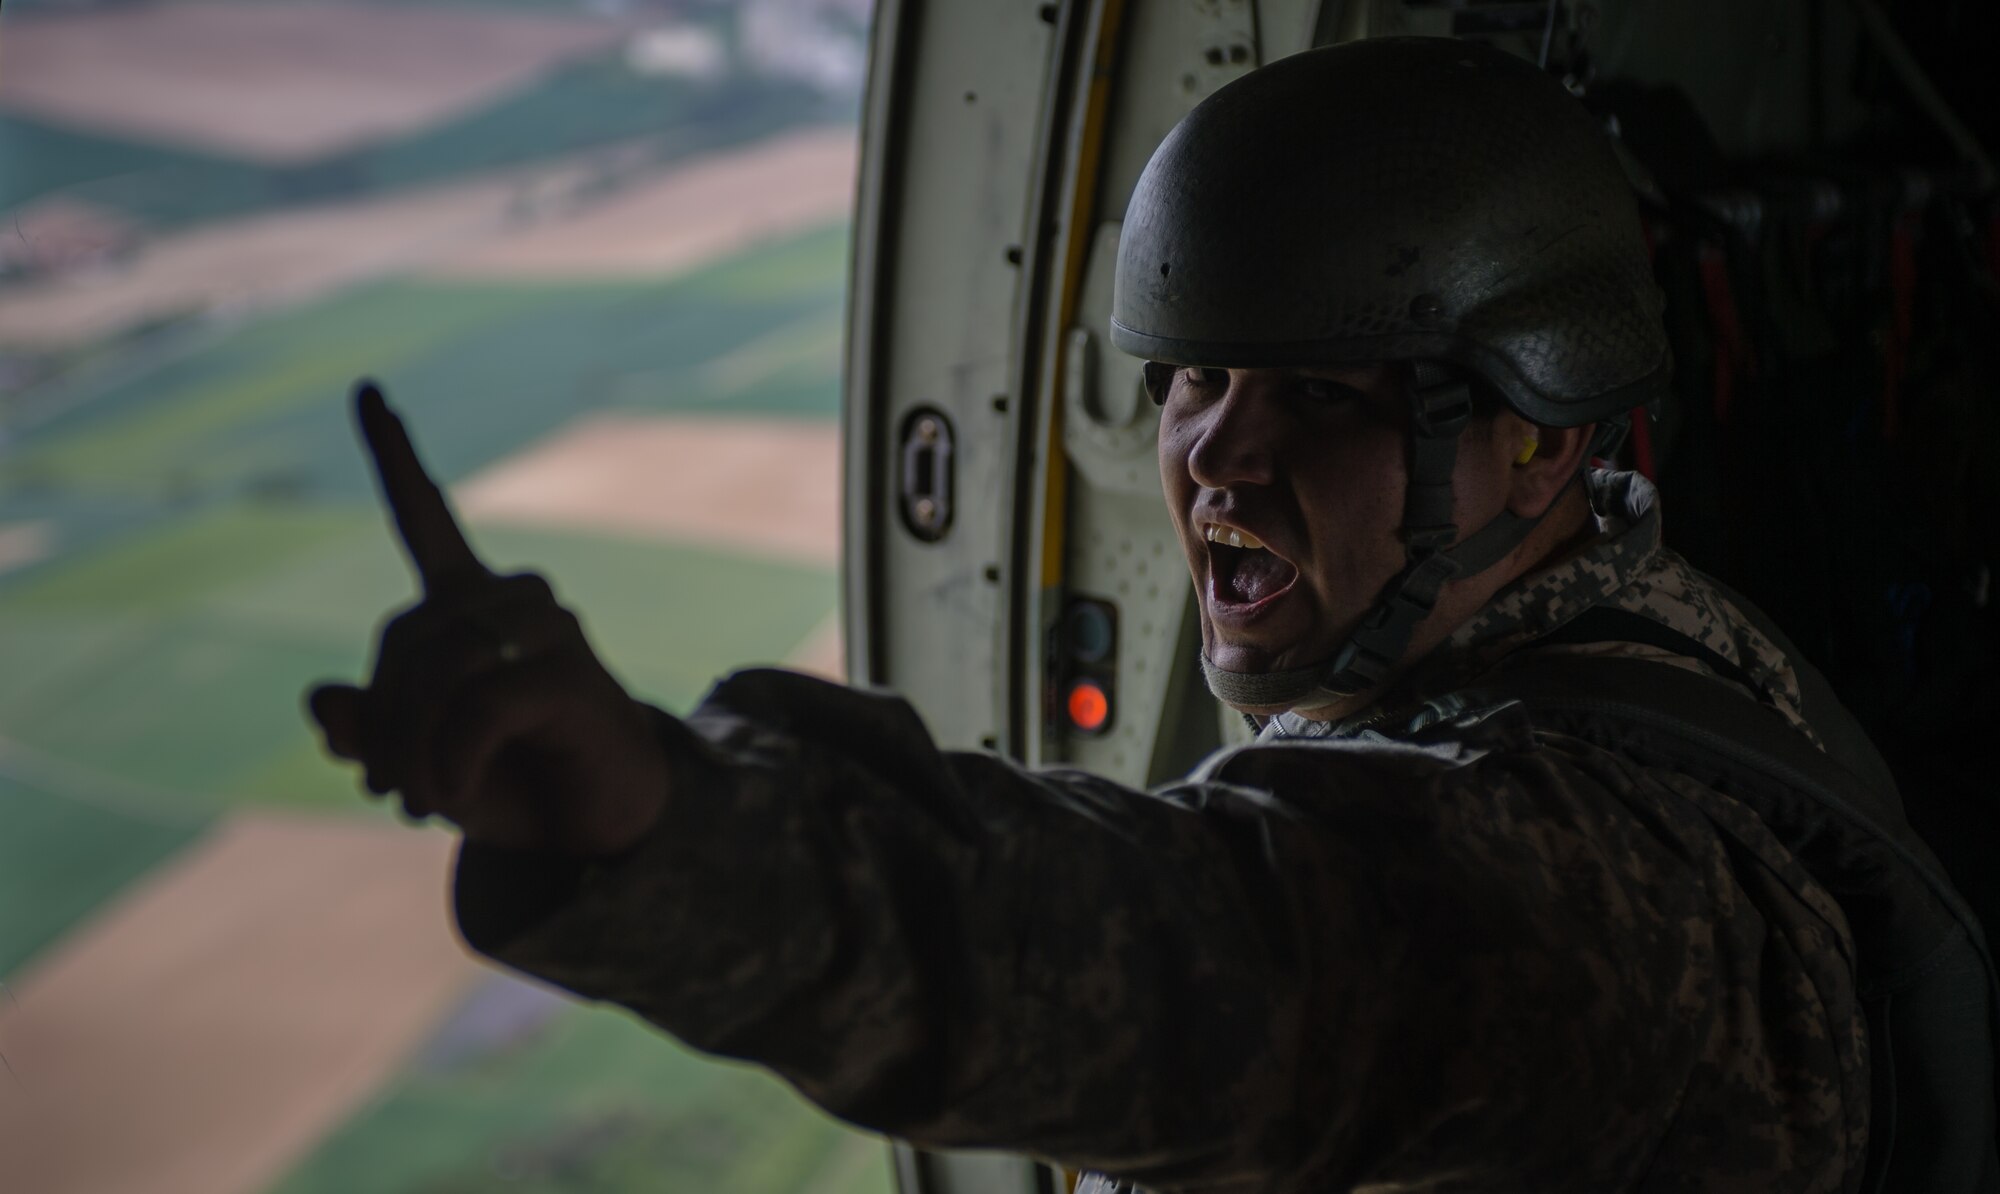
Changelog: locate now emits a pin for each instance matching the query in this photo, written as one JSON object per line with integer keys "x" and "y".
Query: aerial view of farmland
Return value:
{"x": 595, "y": 251}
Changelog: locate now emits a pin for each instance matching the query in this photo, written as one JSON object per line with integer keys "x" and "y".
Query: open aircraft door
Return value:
{"x": 1009, "y": 564}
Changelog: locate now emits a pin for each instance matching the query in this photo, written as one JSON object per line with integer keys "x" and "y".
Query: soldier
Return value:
{"x": 1425, "y": 933}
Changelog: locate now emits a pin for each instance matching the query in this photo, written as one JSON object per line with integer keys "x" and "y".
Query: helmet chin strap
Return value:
{"x": 1440, "y": 409}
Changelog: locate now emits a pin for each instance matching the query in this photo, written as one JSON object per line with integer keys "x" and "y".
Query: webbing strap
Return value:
{"x": 1604, "y": 623}
{"x": 1289, "y": 688}
{"x": 1440, "y": 409}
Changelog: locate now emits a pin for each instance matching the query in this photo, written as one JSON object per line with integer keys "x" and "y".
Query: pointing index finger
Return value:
{"x": 430, "y": 535}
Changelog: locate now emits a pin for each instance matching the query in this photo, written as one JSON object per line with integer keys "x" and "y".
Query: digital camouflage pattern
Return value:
{"x": 1459, "y": 957}
{"x": 1625, "y": 568}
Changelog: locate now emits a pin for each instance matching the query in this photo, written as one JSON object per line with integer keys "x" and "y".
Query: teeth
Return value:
{"x": 1231, "y": 536}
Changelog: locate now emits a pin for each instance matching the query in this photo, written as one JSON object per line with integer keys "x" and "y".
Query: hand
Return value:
{"x": 487, "y": 705}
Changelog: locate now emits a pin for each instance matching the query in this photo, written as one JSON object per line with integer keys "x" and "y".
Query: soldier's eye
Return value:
{"x": 1202, "y": 380}
{"x": 1325, "y": 389}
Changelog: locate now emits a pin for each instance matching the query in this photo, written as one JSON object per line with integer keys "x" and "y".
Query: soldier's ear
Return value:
{"x": 1543, "y": 461}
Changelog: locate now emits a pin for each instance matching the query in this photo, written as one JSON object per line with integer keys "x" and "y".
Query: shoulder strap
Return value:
{"x": 1840, "y": 734}
{"x": 1604, "y": 623}
{"x": 1924, "y": 970}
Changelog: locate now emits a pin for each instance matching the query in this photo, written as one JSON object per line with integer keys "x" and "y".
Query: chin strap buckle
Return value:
{"x": 1377, "y": 645}
{"x": 1431, "y": 540}
{"x": 1440, "y": 406}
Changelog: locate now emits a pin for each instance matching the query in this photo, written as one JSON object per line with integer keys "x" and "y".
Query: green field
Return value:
{"x": 175, "y": 659}
{"x": 70, "y": 844}
{"x": 156, "y": 183}
{"x": 218, "y": 547}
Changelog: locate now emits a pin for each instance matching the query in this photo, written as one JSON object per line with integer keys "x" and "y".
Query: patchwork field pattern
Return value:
{"x": 233, "y": 973}
{"x": 662, "y": 221}
{"x": 205, "y": 543}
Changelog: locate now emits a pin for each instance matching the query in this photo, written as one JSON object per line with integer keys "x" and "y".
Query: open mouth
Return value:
{"x": 1245, "y": 573}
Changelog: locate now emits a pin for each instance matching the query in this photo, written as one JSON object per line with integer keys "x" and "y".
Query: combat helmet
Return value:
{"x": 1427, "y": 200}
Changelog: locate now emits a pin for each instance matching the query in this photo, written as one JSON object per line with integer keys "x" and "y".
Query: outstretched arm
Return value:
{"x": 1315, "y": 961}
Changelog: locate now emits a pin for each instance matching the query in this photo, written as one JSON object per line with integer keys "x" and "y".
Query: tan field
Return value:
{"x": 207, "y": 1030}
{"x": 765, "y": 487}
{"x": 276, "y": 82}
{"x": 823, "y": 653}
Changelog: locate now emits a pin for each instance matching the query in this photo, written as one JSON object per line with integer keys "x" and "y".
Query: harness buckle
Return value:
{"x": 1441, "y": 411}
{"x": 1430, "y": 540}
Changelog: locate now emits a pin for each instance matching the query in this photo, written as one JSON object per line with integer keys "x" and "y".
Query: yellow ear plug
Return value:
{"x": 1528, "y": 452}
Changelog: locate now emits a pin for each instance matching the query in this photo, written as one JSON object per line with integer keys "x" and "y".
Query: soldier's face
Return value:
{"x": 1286, "y": 487}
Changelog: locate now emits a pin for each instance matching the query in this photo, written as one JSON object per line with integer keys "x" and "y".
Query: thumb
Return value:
{"x": 337, "y": 709}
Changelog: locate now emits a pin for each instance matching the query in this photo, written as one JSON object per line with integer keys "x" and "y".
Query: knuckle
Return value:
{"x": 405, "y": 622}
{"x": 529, "y": 586}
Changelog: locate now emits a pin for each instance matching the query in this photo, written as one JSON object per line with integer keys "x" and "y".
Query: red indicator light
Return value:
{"x": 1089, "y": 707}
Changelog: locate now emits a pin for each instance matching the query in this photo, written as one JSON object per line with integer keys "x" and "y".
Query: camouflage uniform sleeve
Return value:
{"x": 1310, "y": 967}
